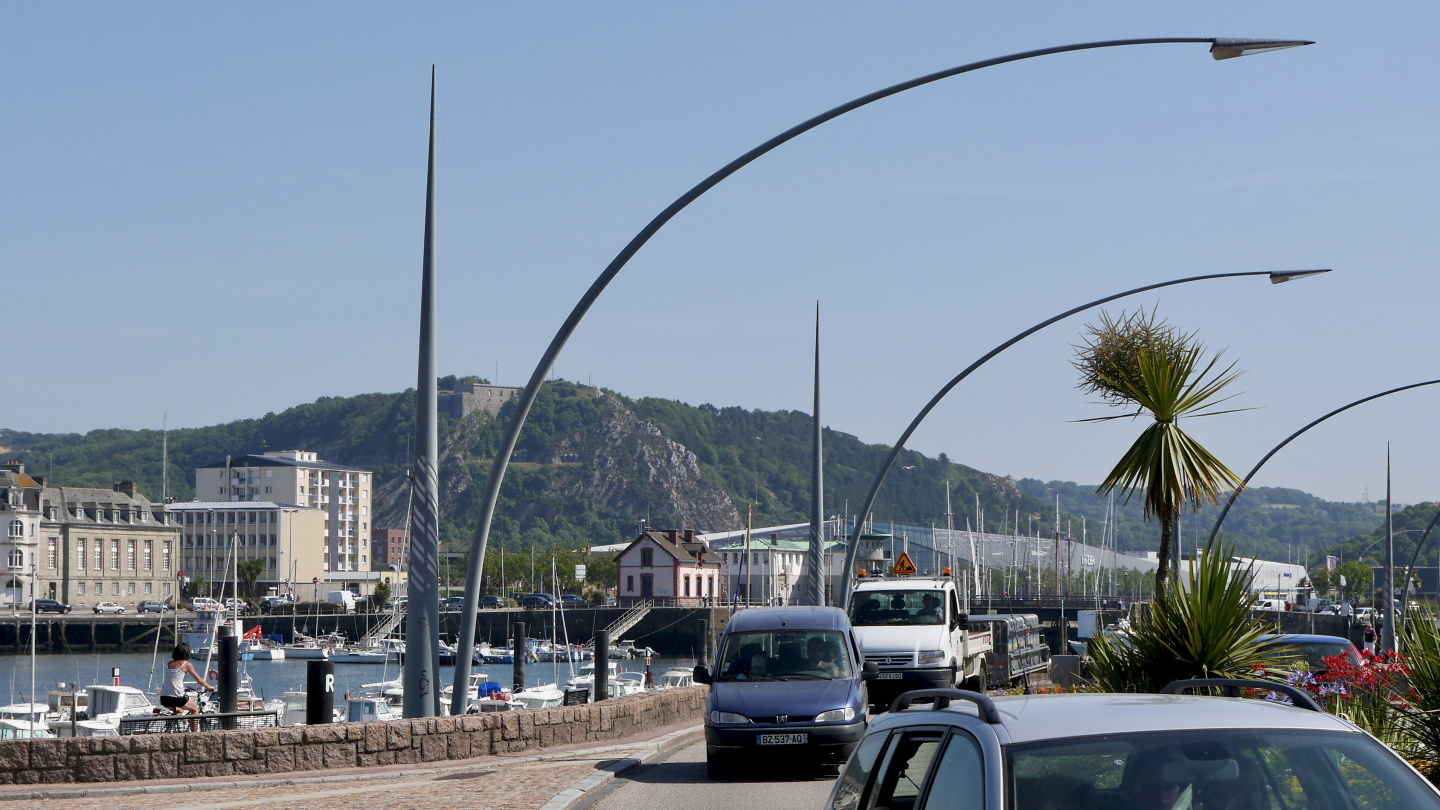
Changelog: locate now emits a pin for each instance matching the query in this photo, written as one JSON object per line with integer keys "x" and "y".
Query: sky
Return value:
{"x": 215, "y": 211}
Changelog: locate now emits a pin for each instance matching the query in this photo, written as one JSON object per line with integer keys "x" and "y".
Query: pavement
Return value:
{"x": 559, "y": 779}
{"x": 678, "y": 780}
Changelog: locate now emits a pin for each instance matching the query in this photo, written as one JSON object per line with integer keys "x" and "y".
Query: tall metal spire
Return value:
{"x": 815, "y": 583}
{"x": 422, "y": 654}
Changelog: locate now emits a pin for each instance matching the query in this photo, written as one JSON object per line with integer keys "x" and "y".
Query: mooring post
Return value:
{"x": 519, "y": 647}
{"x": 602, "y": 665}
{"x": 319, "y": 692}
{"x": 702, "y": 642}
{"x": 228, "y": 678}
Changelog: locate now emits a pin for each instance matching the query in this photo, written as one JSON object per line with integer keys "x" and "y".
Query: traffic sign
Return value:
{"x": 314, "y": 580}
{"x": 903, "y": 566}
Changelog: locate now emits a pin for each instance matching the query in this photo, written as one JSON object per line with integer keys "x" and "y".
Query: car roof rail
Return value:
{"x": 942, "y": 697}
{"x": 1232, "y": 687}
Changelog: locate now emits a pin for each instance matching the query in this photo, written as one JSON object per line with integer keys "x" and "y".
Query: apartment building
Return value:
{"x": 340, "y": 493}
{"x": 389, "y": 547}
{"x": 216, "y": 535}
{"x": 84, "y": 545}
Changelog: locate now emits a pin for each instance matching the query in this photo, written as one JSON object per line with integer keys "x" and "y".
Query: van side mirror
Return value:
{"x": 702, "y": 675}
{"x": 869, "y": 671}
{"x": 962, "y": 621}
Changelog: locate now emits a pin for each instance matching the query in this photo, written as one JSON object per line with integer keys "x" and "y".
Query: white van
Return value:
{"x": 205, "y": 603}
{"x": 345, "y": 598}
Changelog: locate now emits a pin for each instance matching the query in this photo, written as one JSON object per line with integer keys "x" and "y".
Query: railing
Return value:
{"x": 175, "y": 723}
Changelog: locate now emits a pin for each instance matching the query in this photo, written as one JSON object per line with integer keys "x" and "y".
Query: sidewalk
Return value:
{"x": 556, "y": 780}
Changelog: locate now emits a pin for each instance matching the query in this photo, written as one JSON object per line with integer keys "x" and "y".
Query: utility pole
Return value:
{"x": 1388, "y": 635}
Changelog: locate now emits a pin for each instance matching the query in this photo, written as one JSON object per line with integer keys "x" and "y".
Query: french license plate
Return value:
{"x": 890, "y": 676}
{"x": 783, "y": 739}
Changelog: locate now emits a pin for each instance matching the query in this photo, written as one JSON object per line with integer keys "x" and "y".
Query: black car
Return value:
{"x": 539, "y": 600}
{"x": 50, "y": 606}
{"x": 570, "y": 600}
{"x": 491, "y": 601}
{"x": 150, "y": 606}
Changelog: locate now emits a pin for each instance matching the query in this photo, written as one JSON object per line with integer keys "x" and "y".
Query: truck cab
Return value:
{"x": 918, "y": 634}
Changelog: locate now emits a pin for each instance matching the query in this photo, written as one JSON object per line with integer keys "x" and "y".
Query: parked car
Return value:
{"x": 789, "y": 683}
{"x": 1094, "y": 751}
{"x": 49, "y": 606}
{"x": 397, "y": 603}
{"x": 1365, "y": 615}
{"x": 453, "y": 603}
{"x": 570, "y": 600}
{"x": 204, "y": 603}
{"x": 108, "y": 607}
{"x": 1316, "y": 648}
{"x": 491, "y": 601}
{"x": 609, "y": 601}
{"x": 538, "y": 600}
{"x": 150, "y": 606}
{"x": 272, "y": 604}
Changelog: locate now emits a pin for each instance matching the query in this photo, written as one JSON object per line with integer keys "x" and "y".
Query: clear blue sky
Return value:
{"x": 216, "y": 211}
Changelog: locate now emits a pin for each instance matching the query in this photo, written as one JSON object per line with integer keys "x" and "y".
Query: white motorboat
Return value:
{"x": 367, "y": 708}
{"x": 538, "y": 697}
{"x": 293, "y": 712}
{"x": 261, "y": 650}
{"x": 24, "y": 721}
{"x": 676, "y": 677}
{"x": 201, "y": 635}
{"x": 481, "y": 689}
{"x": 108, "y": 706}
{"x": 632, "y": 682}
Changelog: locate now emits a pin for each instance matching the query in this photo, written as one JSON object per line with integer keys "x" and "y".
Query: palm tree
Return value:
{"x": 1159, "y": 373}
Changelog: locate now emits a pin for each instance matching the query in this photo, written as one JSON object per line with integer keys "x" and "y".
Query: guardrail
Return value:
{"x": 216, "y": 721}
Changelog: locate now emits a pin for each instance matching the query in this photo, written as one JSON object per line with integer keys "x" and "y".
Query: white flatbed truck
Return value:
{"x": 918, "y": 633}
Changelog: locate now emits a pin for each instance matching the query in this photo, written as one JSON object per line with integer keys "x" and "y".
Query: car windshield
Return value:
{"x": 1229, "y": 769}
{"x": 897, "y": 607}
{"x": 784, "y": 655}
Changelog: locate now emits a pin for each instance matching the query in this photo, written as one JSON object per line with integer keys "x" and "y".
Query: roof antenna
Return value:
{"x": 165, "y": 458}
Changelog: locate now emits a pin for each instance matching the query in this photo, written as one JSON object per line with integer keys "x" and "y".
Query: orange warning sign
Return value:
{"x": 903, "y": 566}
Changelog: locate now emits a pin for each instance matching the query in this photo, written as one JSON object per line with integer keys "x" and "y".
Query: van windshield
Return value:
{"x": 784, "y": 655}
{"x": 897, "y": 607}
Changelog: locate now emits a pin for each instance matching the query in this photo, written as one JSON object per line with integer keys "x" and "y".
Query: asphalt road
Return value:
{"x": 679, "y": 781}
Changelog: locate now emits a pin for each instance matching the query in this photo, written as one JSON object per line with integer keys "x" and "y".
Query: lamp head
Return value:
{"x": 1282, "y": 276}
{"x": 1227, "y": 48}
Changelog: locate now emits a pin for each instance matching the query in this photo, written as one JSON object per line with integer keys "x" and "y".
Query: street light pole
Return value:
{"x": 895, "y": 450}
{"x": 1220, "y": 48}
{"x": 1292, "y": 437}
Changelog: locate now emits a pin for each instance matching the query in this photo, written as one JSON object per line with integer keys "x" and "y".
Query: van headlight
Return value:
{"x": 931, "y": 656}
{"x": 844, "y": 715}
{"x": 728, "y": 717}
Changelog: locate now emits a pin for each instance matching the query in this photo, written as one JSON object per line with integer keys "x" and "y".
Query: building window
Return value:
{"x": 687, "y": 584}
{"x": 165, "y": 556}
{"x": 99, "y": 555}
{"x": 115, "y": 557}
{"x": 53, "y": 553}
{"x": 130, "y": 559}
{"x": 17, "y": 559}
{"x": 80, "y": 546}
{"x": 80, "y": 588}
{"x": 165, "y": 588}
{"x": 130, "y": 589}
{"x": 647, "y": 558}
{"x": 99, "y": 589}
{"x": 17, "y": 529}
{"x": 114, "y": 589}
{"x": 629, "y": 583}
{"x": 149, "y": 588}
{"x": 149, "y": 555}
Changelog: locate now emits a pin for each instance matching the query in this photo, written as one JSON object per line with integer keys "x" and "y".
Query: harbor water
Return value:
{"x": 271, "y": 678}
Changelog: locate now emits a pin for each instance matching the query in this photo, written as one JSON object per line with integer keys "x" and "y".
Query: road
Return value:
{"x": 679, "y": 781}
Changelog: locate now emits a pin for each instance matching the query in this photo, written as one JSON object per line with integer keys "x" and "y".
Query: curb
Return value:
{"x": 656, "y": 747}
{"x": 663, "y": 746}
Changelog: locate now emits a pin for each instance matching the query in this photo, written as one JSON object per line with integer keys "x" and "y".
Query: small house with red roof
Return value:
{"x": 668, "y": 567}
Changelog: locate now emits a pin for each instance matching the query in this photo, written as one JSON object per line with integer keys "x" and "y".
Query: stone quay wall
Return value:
{"x": 341, "y": 745}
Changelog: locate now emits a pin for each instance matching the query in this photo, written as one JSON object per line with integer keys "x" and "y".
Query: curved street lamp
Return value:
{"x": 1220, "y": 48}
{"x": 854, "y": 545}
{"x": 1292, "y": 437}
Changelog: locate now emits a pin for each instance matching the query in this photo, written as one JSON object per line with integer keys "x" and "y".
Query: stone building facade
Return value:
{"x": 468, "y": 398}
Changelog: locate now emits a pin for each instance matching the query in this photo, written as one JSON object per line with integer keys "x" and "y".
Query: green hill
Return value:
{"x": 592, "y": 465}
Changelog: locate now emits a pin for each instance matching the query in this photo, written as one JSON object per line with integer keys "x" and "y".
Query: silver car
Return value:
{"x": 1123, "y": 752}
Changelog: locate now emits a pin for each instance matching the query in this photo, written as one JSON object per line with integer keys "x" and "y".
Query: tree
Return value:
{"x": 1320, "y": 580}
{"x": 381, "y": 595}
{"x": 1357, "y": 577}
{"x": 249, "y": 572}
{"x": 1141, "y": 363}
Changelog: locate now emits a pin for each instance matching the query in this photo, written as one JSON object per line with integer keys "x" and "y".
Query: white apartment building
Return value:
{"x": 290, "y": 539}
{"x": 342, "y": 494}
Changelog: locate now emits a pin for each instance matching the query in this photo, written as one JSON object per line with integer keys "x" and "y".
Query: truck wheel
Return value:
{"x": 975, "y": 683}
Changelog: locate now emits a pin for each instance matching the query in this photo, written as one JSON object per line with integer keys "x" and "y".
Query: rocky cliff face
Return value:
{"x": 618, "y": 461}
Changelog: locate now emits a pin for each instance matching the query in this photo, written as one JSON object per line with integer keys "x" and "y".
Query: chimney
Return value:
{"x": 673, "y": 535}
{"x": 689, "y": 535}
{"x": 127, "y": 488}
{"x": 14, "y": 467}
